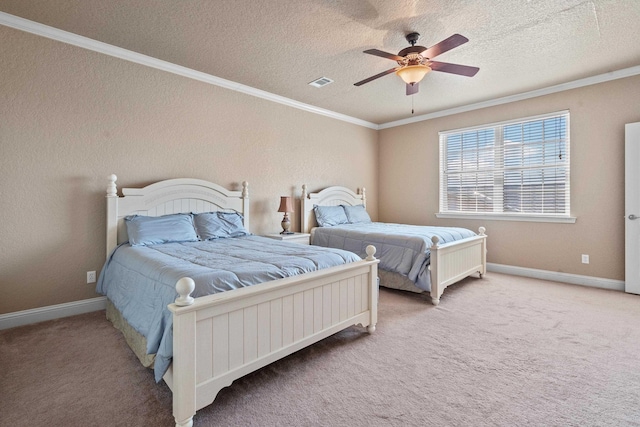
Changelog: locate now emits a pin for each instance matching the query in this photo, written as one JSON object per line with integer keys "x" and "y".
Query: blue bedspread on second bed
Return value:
{"x": 140, "y": 281}
{"x": 401, "y": 248}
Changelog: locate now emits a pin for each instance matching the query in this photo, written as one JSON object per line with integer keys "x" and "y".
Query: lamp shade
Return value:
{"x": 286, "y": 204}
{"x": 413, "y": 73}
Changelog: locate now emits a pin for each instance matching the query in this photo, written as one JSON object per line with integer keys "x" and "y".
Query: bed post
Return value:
{"x": 304, "y": 228}
{"x": 362, "y": 192}
{"x": 112, "y": 214}
{"x": 245, "y": 204}
{"x": 184, "y": 355}
{"x": 436, "y": 286}
{"x": 373, "y": 289}
{"x": 483, "y": 254}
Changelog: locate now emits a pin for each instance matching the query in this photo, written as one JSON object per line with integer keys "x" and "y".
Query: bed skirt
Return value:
{"x": 136, "y": 341}
{"x": 393, "y": 280}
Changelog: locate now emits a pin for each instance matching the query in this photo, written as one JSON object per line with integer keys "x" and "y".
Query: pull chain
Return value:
{"x": 558, "y": 138}
{"x": 411, "y": 104}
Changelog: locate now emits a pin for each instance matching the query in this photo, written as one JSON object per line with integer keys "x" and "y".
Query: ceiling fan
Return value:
{"x": 415, "y": 62}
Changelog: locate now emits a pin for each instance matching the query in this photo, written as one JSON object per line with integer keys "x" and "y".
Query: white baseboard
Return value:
{"x": 35, "y": 315}
{"x": 27, "y": 317}
{"x": 575, "y": 279}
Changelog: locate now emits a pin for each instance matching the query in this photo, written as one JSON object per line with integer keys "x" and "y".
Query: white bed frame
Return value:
{"x": 450, "y": 262}
{"x": 220, "y": 338}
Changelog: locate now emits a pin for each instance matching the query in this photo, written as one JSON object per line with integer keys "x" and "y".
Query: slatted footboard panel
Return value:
{"x": 243, "y": 330}
{"x": 459, "y": 262}
{"x": 455, "y": 261}
{"x": 229, "y": 340}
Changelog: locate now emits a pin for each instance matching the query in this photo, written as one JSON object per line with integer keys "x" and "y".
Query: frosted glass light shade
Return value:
{"x": 413, "y": 73}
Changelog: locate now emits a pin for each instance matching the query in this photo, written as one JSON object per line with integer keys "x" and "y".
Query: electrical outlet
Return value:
{"x": 585, "y": 259}
{"x": 91, "y": 277}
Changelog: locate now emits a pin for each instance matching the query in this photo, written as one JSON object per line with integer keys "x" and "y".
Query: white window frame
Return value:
{"x": 507, "y": 216}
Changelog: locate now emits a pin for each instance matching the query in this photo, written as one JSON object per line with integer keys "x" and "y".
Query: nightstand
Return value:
{"x": 302, "y": 238}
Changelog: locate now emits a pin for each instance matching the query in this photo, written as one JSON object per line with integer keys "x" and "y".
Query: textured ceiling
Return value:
{"x": 280, "y": 46}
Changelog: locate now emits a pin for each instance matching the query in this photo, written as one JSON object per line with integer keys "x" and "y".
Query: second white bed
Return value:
{"x": 447, "y": 263}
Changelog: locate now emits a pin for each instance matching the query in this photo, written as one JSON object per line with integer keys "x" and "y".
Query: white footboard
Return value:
{"x": 220, "y": 338}
{"x": 454, "y": 261}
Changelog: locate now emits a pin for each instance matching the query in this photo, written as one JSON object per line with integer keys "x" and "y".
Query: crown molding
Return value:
{"x": 601, "y": 78}
{"x": 36, "y": 28}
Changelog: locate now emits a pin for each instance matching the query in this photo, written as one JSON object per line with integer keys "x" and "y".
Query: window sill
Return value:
{"x": 507, "y": 217}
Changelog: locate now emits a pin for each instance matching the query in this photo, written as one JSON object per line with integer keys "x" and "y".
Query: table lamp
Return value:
{"x": 286, "y": 206}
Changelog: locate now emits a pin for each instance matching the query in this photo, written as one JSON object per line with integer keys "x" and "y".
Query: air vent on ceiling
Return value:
{"x": 322, "y": 81}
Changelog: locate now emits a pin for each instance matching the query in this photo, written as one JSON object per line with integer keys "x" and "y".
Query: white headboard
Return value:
{"x": 182, "y": 195}
{"x": 330, "y": 196}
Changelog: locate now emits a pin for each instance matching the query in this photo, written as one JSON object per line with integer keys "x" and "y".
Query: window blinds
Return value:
{"x": 511, "y": 168}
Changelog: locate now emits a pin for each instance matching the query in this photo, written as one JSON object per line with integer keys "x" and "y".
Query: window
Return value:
{"x": 511, "y": 170}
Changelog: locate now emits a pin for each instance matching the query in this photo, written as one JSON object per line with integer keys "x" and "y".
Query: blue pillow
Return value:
{"x": 219, "y": 225}
{"x": 356, "y": 214}
{"x": 327, "y": 216}
{"x": 152, "y": 230}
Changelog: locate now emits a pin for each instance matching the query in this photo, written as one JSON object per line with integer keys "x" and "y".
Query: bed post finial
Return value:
{"x": 363, "y": 192}
{"x": 112, "y": 190}
{"x": 184, "y": 287}
{"x": 304, "y": 191}
{"x": 481, "y": 230}
{"x": 245, "y": 190}
{"x": 370, "y": 250}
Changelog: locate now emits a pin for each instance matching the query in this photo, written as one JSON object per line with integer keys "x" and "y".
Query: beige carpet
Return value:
{"x": 501, "y": 351}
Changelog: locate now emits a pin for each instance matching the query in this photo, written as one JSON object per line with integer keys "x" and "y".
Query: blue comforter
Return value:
{"x": 140, "y": 281}
{"x": 401, "y": 248}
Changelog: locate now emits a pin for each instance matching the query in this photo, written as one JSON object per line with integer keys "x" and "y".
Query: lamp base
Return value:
{"x": 286, "y": 223}
{"x": 287, "y": 232}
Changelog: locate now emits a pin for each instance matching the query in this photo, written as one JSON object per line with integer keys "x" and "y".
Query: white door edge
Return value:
{"x": 632, "y": 208}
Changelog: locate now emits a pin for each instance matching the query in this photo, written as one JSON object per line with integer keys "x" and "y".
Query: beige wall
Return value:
{"x": 70, "y": 117}
{"x": 409, "y": 180}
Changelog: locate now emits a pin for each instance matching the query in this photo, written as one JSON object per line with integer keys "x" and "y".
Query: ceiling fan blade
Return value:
{"x": 463, "y": 70}
{"x": 412, "y": 88}
{"x": 444, "y": 46}
{"x": 383, "y": 54}
{"x": 384, "y": 73}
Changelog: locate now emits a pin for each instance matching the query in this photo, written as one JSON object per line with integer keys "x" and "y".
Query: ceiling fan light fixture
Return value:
{"x": 413, "y": 73}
